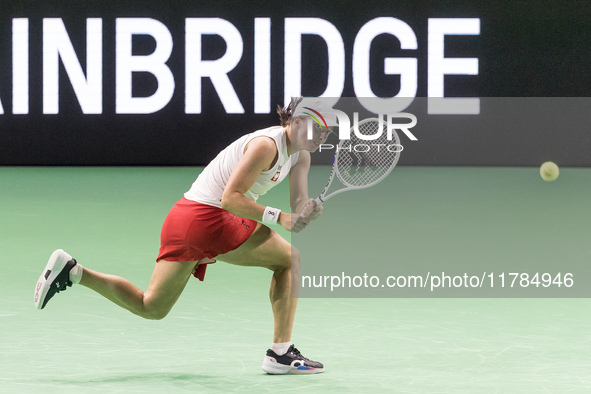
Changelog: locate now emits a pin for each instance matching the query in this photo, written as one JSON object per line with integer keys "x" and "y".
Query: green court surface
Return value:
{"x": 215, "y": 338}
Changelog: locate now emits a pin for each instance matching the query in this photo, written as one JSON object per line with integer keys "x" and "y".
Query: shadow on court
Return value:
{"x": 155, "y": 377}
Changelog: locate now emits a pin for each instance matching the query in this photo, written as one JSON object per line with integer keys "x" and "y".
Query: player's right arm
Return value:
{"x": 260, "y": 155}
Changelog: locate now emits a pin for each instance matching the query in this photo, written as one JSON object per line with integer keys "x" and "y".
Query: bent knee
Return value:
{"x": 156, "y": 314}
{"x": 288, "y": 260}
{"x": 155, "y": 310}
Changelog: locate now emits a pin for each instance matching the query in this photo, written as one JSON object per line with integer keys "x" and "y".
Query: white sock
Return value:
{"x": 280, "y": 348}
{"x": 76, "y": 273}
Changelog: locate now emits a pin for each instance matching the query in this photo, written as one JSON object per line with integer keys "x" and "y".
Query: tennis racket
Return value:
{"x": 358, "y": 167}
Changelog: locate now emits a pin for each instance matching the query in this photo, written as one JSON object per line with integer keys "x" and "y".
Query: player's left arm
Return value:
{"x": 298, "y": 184}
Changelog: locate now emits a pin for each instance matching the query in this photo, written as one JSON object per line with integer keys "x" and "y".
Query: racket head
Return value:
{"x": 362, "y": 163}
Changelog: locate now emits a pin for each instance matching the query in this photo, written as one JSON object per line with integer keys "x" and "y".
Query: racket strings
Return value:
{"x": 362, "y": 163}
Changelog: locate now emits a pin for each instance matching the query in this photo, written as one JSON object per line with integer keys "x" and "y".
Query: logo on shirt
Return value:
{"x": 277, "y": 174}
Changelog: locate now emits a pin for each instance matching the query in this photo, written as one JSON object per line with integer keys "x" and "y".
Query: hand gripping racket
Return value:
{"x": 359, "y": 164}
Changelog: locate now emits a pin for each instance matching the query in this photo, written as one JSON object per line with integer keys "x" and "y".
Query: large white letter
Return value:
{"x": 405, "y": 67}
{"x": 20, "y": 66}
{"x": 155, "y": 63}
{"x": 262, "y": 65}
{"x": 217, "y": 70}
{"x": 56, "y": 45}
{"x": 439, "y": 66}
{"x": 294, "y": 29}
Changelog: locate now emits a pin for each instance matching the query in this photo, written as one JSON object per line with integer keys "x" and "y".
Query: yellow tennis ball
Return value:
{"x": 549, "y": 171}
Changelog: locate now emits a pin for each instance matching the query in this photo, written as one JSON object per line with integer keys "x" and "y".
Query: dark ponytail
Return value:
{"x": 286, "y": 113}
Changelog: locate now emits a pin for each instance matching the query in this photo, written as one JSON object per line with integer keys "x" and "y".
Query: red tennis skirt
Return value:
{"x": 193, "y": 231}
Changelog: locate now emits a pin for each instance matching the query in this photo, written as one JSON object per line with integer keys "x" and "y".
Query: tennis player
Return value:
{"x": 219, "y": 219}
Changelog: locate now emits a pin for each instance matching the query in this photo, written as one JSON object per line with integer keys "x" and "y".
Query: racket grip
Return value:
{"x": 318, "y": 201}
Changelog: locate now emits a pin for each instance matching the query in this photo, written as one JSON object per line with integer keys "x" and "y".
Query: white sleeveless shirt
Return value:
{"x": 210, "y": 184}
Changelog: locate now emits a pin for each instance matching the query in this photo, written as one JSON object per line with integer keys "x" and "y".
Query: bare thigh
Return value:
{"x": 168, "y": 282}
{"x": 264, "y": 248}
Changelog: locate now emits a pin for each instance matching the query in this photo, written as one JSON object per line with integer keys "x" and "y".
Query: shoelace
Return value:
{"x": 297, "y": 353}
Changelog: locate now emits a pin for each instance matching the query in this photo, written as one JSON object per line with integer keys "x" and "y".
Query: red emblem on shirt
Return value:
{"x": 276, "y": 176}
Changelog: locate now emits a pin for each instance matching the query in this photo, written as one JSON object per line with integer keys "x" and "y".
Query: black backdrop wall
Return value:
{"x": 524, "y": 50}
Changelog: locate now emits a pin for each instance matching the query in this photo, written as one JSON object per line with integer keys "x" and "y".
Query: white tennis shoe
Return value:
{"x": 55, "y": 277}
